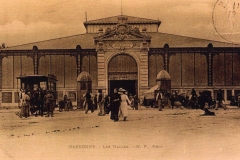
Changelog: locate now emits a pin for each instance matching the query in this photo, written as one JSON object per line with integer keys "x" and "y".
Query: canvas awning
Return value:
{"x": 149, "y": 94}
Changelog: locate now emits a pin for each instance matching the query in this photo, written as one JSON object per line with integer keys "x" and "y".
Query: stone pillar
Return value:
{"x": 101, "y": 68}
{"x": 143, "y": 73}
{"x": 225, "y": 95}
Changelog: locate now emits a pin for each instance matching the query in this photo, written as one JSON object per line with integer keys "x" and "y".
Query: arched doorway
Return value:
{"x": 123, "y": 72}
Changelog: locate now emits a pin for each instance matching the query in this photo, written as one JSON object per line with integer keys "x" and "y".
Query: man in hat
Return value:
{"x": 25, "y": 104}
{"x": 48, "y": 98}
{"x": 114, "y": 105}
{"x": 88, "y": 101}
{"x": 100, "y": 102}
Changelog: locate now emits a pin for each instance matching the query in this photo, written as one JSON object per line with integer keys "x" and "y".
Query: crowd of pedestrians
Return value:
{"x": 115, "y": 104}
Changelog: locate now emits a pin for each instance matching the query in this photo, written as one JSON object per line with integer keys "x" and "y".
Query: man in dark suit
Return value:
{"x": 88, "y": 101}
{"x": 48, "y": 98}
{"x": 159, "y": 98}
{"x": 114, "y": 105}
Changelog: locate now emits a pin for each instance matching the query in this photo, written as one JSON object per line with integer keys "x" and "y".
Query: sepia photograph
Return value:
{"x": 114, "y": 80}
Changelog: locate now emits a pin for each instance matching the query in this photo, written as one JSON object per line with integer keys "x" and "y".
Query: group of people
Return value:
{"x": 205, "y": 100}
{"x": 35, "y": 102}
{"x": 65, "y": 104}
{"x": 117, "y": 103}
{"x": 92, "y": 102}
{"x": 191, "y": 101}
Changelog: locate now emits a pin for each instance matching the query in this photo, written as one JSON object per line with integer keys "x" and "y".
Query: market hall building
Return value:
{"x": 122, "y": 51}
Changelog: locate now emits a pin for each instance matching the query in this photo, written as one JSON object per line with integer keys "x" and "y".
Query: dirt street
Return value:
{"x": 147, "y": 134}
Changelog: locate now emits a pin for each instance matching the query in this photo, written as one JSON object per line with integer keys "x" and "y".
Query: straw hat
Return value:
{"x": 121, "y": 90}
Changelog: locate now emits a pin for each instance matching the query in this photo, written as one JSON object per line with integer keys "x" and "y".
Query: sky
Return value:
{"x": 26, "y": 21}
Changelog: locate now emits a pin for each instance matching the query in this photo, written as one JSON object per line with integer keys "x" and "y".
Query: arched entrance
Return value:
{"x": 123, "y": 72}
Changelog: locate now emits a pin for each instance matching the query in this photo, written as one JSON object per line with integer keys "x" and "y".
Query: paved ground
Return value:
{"x": 148, "y": 134}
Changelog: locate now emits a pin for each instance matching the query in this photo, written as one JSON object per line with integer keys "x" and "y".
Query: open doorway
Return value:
{"x": 123, "y": 73}
{"x": 129, "y": 85}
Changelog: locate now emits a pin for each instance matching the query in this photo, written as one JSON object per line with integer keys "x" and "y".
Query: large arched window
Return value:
{"x": 122, "y": 63}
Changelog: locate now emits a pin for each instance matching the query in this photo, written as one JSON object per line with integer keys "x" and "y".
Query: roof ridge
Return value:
{"x": 119, "y": 16}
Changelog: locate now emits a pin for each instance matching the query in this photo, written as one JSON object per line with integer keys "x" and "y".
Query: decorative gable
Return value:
{"x": 122, "y": 36}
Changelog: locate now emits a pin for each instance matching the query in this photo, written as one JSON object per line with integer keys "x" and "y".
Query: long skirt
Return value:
{"x": 114, "y": 111}
{"x": 25, "y": 111}
{"x": 124, "y": 109}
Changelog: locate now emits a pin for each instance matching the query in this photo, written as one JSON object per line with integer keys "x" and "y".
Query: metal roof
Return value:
{"x": 37, "y": 77}
{"x": 86, "y": 41}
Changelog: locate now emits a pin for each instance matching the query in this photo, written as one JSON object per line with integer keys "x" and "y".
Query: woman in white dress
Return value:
{"x": 124, "y": 103}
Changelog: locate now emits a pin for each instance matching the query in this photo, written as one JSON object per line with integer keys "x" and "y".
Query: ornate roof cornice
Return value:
{"x": 114, "y": 20}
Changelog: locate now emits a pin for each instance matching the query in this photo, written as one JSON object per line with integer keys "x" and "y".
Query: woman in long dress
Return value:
{"x": 124, "y": 104}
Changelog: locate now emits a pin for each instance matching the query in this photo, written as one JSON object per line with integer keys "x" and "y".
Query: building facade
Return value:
{"x": 123, "y": 51}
